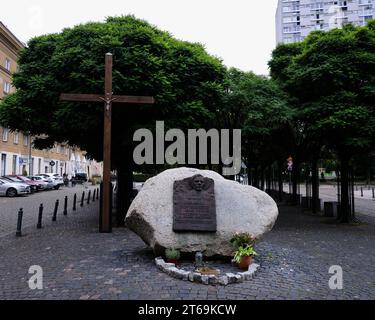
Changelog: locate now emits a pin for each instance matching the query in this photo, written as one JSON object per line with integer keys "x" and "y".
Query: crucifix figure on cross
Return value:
{"x": 109, "y": 98}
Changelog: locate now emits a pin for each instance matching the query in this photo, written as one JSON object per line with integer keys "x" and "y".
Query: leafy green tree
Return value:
{"x": 257, "y": 106}
{"x": 330, "y": 78}
{"x": 185, "y": 81}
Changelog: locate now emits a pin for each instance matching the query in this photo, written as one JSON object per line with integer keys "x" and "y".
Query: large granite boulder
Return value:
{"x": 239, "y": 208}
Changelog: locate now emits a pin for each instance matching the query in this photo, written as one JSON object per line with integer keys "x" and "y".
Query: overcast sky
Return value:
{"x": 241, "y": 32}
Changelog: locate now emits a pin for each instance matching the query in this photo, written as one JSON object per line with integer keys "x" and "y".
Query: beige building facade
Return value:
{"x": 17, "y": 156}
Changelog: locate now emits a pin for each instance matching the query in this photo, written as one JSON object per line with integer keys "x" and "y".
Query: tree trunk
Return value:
{"x": 295, "y": 181}
{"x": 268, "y": 178}
{"x": 280, "y": 179}
{"x": 262, "y": 177}
{"x": 255, "y": 177}
{"x": 315, "y": 184}
{"x": 345, "y": 212}
{"x": 124, "y": 193}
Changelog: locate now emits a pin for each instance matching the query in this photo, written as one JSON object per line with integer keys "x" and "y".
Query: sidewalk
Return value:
{"x": 30, "y": 204}
{"x": 363, "y": 205}
{"x": 80, "y": 263}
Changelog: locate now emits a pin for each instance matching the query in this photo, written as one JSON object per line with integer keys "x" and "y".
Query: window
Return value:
{"x": 14, "y": 165}
{"x": 287, "y": 20}
{"x": 288, "y": 40}
{"x": 25, "y": 140}
{"x": 5, "y": 134}
{"x": 3, "y": 164}
{"x": 6, "y": 87}
{"x": 366, "y": 18}
{"x": 15, "y": 137}
{"x": 7, "y": 64}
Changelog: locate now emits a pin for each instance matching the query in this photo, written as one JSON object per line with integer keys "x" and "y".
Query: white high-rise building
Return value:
{"x": 295, "y": 19}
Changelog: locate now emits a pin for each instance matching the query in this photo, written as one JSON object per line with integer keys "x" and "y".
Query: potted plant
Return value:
{"x": 244, "y": 256}
{"x": 172, "y": 255}
{"x": 242, "y": 239}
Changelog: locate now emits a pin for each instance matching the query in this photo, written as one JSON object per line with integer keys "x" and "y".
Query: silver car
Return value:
{"x": 13, "y": 189}
{"x": 51, "y": 178}
{"x": 46, "y": 182}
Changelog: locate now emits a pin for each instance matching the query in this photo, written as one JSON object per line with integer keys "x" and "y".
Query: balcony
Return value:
{"x": 287, "y": 21}
{"x": 342, "y": 17}
{"x": 291, "y": 32}
{"x": 364, "y": 2}
{"x": 365, "y": 13}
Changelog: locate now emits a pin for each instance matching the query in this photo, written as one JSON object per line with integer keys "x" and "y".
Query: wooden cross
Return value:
{"x": 108, "y": 98}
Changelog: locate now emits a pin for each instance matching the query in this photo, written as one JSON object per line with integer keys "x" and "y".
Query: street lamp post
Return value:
{"x": 30, "y": 158}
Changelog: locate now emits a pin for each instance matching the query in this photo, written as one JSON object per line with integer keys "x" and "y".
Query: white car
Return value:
{"x": 59, "y": 178}
{"x": 46, "y": 183}
{"x": 55, "y": 179}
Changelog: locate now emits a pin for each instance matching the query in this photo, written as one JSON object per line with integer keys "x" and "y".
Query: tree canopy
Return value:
{"x": 330, "y": 80}
{"x": 183, "y": 78}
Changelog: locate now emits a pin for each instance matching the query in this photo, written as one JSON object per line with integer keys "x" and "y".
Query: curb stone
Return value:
{"x": 193, "y": 276}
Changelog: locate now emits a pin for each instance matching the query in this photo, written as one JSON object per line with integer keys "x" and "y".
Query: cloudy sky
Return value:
{"x": 241, "y": 32}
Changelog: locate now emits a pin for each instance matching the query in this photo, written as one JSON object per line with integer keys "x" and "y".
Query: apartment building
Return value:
{"x": 17, "y": 155}
{"x": 295, "y": 19}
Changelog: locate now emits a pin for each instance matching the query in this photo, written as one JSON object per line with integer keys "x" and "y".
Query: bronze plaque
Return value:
{"x": 194, "y": 207}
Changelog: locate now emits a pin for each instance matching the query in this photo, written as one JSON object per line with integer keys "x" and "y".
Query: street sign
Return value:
{"x": 290, "y": 164}
{"x": 22, "y": 160}
{"x": 52, "y": 163}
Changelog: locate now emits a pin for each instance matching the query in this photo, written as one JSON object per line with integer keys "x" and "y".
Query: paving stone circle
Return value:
{"x": 194, "y": 276}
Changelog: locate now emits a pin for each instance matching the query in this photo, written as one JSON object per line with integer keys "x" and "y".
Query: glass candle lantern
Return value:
{"x": 198, "y": 259}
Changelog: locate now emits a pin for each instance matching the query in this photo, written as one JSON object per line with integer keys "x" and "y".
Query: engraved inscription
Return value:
{"x": 194, "y": 207}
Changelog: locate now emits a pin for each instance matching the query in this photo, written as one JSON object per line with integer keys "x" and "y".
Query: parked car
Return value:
{"x": 12, "y": 179}
{"x": 33, "y": 185}
{"x": 13, "y": 189}
{"x": 43, "y": 184}
{"x": 56, "y": 177}
{"x": 55, "y": 183}
{"x": 80, "y": 177}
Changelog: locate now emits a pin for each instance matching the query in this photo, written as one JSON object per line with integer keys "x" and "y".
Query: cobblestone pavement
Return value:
{"x": 30, "y": 204}
{"x": 363, "y": 205}
{"x": 79, "y": 263}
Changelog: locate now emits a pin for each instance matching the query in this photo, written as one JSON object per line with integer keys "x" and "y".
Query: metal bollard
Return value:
{"x": 55, "y": 210}
{"x": 373, "y": 193}
{"x": 65, "y": 206}
{"x": 93, "y": 195}
{"x": 89, "y": 197}
{"x": 40, "y": 215}
{"x": 82, "y": 198}
{"x": 75, "y": 202}
{"x": 19, "y": 223}
{"x": 361, "y": 191}
{"x": 97, "y": 193}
